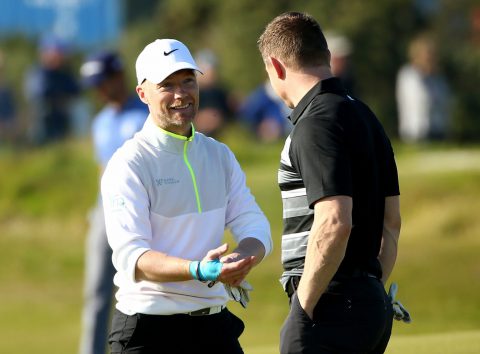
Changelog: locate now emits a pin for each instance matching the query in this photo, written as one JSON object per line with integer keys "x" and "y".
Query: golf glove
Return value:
{"x": 400, "y": 313}
{"x": 239, "y": 293}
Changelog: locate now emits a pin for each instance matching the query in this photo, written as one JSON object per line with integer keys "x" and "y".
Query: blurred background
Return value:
{"x": 416, "y": 63}
{"x": 378, "y": 33}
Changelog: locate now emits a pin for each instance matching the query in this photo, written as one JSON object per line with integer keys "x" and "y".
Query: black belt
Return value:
{"x": 356, "y": 273}
{"x": 293, "y": 281}
{"x": 207, "y": 311}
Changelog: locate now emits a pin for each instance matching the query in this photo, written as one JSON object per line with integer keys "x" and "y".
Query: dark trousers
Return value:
{"x": 176, "y": 334}
{"x": 354, "y": 315}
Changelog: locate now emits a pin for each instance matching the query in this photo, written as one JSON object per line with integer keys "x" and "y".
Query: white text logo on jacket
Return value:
{"x": 166, "y": 181}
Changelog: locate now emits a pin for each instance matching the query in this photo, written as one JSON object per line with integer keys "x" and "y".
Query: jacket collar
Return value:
{"x": 163, "y": 139}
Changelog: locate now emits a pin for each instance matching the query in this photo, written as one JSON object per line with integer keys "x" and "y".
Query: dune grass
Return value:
{"x": 45, "y": 195}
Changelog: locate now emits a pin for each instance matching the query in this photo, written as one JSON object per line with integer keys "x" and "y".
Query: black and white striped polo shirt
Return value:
{"x": 336, "y": 147}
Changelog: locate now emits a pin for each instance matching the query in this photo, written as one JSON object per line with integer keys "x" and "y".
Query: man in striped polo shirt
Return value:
{"x": 340, "y": 192}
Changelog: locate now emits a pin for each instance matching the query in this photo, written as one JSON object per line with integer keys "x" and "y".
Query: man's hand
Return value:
{"x": 210, "y": 267}
{"x": 230, "y": 269}
{"x": 235, "y": 268}
{"x": 205, "y": 270}
{"x": 238, "y": 264}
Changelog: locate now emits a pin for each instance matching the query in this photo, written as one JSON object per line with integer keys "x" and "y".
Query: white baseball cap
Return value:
{"x": 162, "y": 58}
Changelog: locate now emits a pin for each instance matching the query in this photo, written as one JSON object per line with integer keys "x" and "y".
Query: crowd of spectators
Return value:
{"x": 52, "y": 105}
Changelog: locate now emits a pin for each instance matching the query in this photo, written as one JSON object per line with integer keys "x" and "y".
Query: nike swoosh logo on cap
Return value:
{"x": 170, "y": 52}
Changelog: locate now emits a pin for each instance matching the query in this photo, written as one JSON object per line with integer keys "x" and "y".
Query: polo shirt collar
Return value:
{"x": 331, "y": 85}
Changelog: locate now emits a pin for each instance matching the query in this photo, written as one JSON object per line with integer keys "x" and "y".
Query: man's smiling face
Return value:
{"x": 173, "y": 103}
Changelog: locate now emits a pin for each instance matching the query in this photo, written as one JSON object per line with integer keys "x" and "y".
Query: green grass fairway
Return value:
{"x": 45, "y": 195}
{"x": 467, "y": 342}
{"x": 440, "y": 343}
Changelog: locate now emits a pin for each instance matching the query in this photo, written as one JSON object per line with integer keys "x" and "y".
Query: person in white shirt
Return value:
{"x": 169, "y": 193}
{"x": 423, "y": 95}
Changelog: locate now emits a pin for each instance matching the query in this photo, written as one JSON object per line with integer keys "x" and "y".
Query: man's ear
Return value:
{"x": 279, "y": 68}
{"x": 141, "y": 93}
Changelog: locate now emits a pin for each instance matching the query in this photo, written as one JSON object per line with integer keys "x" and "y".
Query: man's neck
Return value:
{"x": 300, "y": 82}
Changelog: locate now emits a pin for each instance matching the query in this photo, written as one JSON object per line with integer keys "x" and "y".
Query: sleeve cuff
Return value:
{"x": 132, "y": 263}
{"x": 265, "y": 239}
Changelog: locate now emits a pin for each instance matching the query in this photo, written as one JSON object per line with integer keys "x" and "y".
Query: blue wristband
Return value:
{"x": 209, "y": 270}
{"x": 193, "y": 269}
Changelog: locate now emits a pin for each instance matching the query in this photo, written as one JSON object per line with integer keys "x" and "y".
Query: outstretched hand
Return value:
{"x": 210, "y": 267}
{"x": 235, "y": 266}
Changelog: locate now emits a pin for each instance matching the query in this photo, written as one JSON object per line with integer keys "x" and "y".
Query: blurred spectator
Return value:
{"x": 475, "y": 25}
{"x": 8, "y": 119}
{"x": 340, "y": 62}
{"x": 122, "y": 116}
{"x": 423, "y": 95}
{"x": 215, "y": 107}
{"x": 264, "y": 112}
{"x": 50, "y": 89}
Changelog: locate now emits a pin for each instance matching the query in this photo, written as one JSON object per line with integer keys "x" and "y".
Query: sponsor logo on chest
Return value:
{"x": 166, "y": 181}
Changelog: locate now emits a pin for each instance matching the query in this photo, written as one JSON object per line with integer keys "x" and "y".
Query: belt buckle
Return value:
{"x": 201, "y": 312}
{"x": 207, "y": 311}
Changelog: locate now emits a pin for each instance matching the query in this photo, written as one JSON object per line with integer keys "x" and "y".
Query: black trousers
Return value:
{"x": 176, "y": 334}
{"x": 354, "y": 315}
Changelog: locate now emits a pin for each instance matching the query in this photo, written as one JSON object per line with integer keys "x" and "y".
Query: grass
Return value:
{"x": 467, "y": 342}
{"x": 45, "y": 195}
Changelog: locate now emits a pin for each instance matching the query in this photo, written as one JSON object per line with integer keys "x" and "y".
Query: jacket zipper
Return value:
{"x": 192, "y": 174}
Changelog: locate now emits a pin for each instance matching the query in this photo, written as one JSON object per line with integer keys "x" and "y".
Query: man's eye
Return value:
{"x": 165, "y": 85}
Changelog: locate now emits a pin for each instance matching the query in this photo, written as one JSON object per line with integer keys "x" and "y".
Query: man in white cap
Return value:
{"x": 169, "y": 194}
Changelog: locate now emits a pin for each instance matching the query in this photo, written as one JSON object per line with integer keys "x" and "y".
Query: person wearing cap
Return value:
{"x": 121, "y": 117}
{"x": 340, "y": 192}
{"x": 168, "y": 195}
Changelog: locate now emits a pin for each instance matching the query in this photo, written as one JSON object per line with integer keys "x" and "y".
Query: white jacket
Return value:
{"x": 175, "y": 195}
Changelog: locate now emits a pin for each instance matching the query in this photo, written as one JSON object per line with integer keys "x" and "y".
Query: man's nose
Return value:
{"x": 180, "y": 91}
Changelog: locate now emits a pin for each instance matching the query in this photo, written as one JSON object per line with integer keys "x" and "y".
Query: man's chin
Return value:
{"x": 183, "y": 123}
